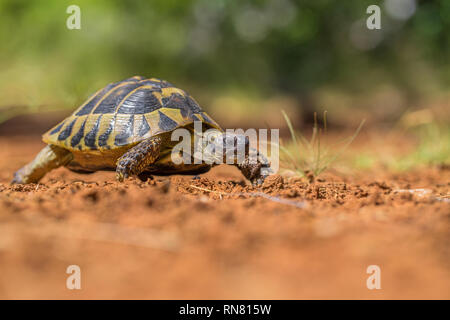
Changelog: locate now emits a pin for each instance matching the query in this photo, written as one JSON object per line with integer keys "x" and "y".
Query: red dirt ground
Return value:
{"x": 168, "y": 238}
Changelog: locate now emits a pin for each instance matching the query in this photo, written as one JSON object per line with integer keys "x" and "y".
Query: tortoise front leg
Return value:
{"x": 255, "y": 171}
{"x": 138, "y": 158}
{"x": 49, "y": 158}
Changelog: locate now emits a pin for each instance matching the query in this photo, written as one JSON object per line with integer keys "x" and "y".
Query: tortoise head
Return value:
{"x": 234, "y": 149}
{"x": 224, "y": 147}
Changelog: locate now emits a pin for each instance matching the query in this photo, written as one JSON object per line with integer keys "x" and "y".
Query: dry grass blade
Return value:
{"x": 312, "y": 156}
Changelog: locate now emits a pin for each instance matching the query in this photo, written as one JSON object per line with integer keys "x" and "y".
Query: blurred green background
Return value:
{"x": 242, "y": 60}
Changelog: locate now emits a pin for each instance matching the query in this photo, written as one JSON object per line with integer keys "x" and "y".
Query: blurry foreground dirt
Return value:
{"x": 169, "y": 238}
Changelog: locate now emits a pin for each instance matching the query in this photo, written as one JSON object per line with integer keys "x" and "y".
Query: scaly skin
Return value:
{"x": 49, "y": 158}
{"x": 138, "y": 158}
{"x": 257, "y": 171}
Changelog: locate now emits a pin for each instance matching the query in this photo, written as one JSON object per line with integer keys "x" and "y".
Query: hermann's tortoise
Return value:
{"x": 127, "y": 127}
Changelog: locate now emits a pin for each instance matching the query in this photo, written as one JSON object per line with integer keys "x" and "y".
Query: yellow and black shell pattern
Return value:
{"x": 125, "y": 113}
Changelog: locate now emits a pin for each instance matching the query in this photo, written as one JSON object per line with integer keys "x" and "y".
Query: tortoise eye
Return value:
{"x": 212, "y": 135}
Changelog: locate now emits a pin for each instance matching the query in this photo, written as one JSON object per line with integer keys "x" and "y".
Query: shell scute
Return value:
{"x": 125, "y": 113}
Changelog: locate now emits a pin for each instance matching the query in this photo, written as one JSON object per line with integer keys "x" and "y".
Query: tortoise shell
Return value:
{"x": 125, "y": 113}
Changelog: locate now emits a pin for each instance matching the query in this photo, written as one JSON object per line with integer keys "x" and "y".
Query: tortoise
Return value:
{"x": 127, "y": 127}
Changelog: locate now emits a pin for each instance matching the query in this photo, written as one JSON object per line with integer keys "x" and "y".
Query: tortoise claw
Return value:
{"x": 121, "y": 176}
{"x": 261, "y": 175}
{"x": 17, "y": 179}
{"x": 21, "y": 177}
{"x": 258, "y": 182}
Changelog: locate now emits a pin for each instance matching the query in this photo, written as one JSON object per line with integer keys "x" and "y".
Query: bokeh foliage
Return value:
{"x": 257, "y": 48}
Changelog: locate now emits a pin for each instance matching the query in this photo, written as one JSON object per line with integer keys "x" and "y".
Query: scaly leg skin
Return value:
{"x": 49, "y": 158}
{"x": 257, "y": 171}
{"x": 138, "y": 158}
